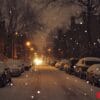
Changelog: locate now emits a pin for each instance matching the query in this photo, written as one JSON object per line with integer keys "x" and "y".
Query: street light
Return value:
{"x": 28, "y": 43}
{"x": 16, "y": 33}
{"x": 31, "y": 49}
{"x": 49, "y": 50}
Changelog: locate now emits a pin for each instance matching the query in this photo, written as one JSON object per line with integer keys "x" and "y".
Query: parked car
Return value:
{"x": 52, "y": 62}
{"x": 21, "y": 66}
{"x": 15, "y": 71}
{"x": 93, "y": 74}
{"x": 14, "y": 68}
{"x": 24, "y": 65}
{"x": 60, "y": 64}
{"x": 5, "y": 76}
{"x": 69, "y": 66}
{"x": 27, "y": 65}
{"x": 83, "y": 64}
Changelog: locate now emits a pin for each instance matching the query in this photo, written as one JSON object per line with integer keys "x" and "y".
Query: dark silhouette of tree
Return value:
{"x": 19, "y": 16}
{"x": 90, "y": 7}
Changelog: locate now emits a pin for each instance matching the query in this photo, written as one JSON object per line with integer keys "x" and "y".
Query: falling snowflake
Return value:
{"x": 73, "y": 49}
{"x": 56, "y": 37}
{"x": 55, "y": 83}
{"x": 98, "y": 40}
{"x": 81, "y": 23}
{"x": 32, "y": 97}
{"x": 85, "y": 94}
{"x": 67, "y": 78}
{"x": 11, "y": 84}
{"x": 77, "y": 43}
{"x": 91, "y": 89}
{"x": 26, "y": 76}
{"x": 85, "y": 31}
{"x": 10, "y": 11}
{"x": 64, "y": 35}
{"x": 38, "y": 92}
{"x": 97, "y": 69}
{"x": 71, "y": 39}
{"x": 35, "y": 70}
{"x": 59, "y": 49}
{"x": 94, "y": 43}
{"x": 75, "y": 80}
{"x": 87, "y": 82}
{"x": 69, "y": 88}
{"x": 26, "y": 84}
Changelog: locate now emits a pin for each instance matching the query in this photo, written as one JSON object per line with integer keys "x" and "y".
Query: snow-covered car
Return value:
{"x": 60, "y": 64}
{"x": 27, "y": 65}
{"x": 52, "y": 62}
{"x": 69, "y": 66}
{"x": 57, "y": 65}
{"x": 83, "y": 64}
{"x": 20, "y": 64}
{"x": 93, "y": 74}
{"x": 14, "y": 68}
{"x": 5, "y": 76}
{"x": 15, "y": 71}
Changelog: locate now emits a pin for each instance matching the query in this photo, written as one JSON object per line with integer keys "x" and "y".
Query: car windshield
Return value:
{"x": 92, "y": 62}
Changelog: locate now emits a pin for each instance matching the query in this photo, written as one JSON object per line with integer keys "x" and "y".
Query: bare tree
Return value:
{"x": 90, "y": 7}
{"x": 19, "y": 16}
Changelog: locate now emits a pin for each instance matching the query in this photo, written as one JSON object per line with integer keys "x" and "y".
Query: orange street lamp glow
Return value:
{"x": 38, "y": 61}
{"x": 49, "y": 50}
{"x": 32, "y": 49}
{"x": 16, "y": 33}
{"x": 28, "y": 43}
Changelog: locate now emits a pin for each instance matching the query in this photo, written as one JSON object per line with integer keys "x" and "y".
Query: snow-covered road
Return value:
{"x": 48, "y": 83}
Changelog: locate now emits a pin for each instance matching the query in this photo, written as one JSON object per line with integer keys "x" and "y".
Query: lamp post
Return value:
{"x": 31, "y": 49}
{"x": 28, "y": 43}
{"x": 14, "y": 49}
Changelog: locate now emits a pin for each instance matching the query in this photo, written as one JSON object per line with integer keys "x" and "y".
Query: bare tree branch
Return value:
{"x": 20, "y": 16}
{"x": 82, "y": 2}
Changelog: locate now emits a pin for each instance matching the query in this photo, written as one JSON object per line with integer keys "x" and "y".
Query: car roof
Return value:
{"x": 87, "y": 59}
{"x": 90, "y": 59}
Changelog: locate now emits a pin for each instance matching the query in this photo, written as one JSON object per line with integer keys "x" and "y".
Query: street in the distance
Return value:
{"x": 48, "y": 83}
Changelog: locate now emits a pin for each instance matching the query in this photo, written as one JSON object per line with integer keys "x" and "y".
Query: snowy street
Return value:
{"x": 48, "y": 83}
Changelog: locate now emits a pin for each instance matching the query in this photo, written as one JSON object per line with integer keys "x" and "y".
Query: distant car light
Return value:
{"x": 38, "y": 61}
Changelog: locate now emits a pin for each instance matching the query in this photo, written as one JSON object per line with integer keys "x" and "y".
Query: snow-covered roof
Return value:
{"x": 90, "y": 59}
{"x": 57, "y": 64}
{"x": 80, "y": 62}
{"x": 13, "y": 63}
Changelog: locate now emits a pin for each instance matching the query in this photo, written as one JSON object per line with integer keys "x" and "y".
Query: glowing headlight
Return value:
{"x": 38, "y": 61}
